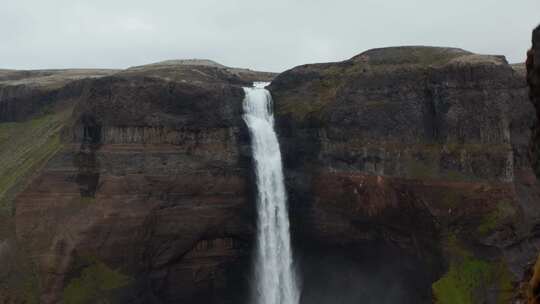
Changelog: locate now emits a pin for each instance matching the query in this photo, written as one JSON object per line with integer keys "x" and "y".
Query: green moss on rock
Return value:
{"x": 324, "y": 93}
{"x": 469, "y": 279}
{"x": 503, "y": 211}
{"x": 24, "y": 148}
{"x": 94, "y": 285}
{"x": 462, "y": 281}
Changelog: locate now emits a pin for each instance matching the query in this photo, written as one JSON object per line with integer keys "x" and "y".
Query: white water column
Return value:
{"x": 275, "y": 278}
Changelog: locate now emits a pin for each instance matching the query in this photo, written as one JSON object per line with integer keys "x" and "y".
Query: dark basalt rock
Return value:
{"x": 533, "y": 79}
{"x": 152, "y": 183}
{"x": 148, "y": 194}
{"x": 530, "y": 286}
{"x": 420, "y": 148}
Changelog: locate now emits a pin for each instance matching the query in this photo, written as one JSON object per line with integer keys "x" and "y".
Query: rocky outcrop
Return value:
{"x": 533, "y": 78}
{"x": 530, "y": 286}
{"x": 421, "y": 149}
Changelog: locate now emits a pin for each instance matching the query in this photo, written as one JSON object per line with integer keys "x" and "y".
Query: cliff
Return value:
{"x": 407, "y": 171}
{"x": 529, "y": 289}
{"x": 423, "y": 150}
{"x": 140, "y": 188}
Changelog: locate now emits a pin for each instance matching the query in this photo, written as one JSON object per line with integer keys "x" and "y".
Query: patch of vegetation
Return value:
{"x": 94, "y": 285}
{"x": 504, "y": 279}
{"x": 420, "y": 55}
{"x": 424, "y": 165}
{"x": 469, "y": 279}
{"x": 492, "y": 220}
{"x": 24, "y": 148}
{"x": 462, "y": 281}
{"x": 323, "y": 93}
{"x": 87, "y": 200}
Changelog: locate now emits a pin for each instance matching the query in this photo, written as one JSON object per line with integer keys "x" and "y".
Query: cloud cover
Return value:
{"x": 265, "y": 35}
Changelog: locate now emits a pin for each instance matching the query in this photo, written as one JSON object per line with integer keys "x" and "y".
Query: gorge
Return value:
{"x": 408, "y": 171}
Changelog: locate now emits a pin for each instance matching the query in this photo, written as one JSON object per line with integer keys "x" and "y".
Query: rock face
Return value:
{"x": 419, "y": 149}
{"x": 533, "y": 78}
{"x": 145, "y": 197}
{"x": 530, "y": 286}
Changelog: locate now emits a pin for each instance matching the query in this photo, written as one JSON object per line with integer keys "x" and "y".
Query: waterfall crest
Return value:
{"x": 275, "y": 278}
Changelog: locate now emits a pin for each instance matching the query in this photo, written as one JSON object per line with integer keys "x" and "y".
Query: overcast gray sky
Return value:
{"x": 269, "y": 35}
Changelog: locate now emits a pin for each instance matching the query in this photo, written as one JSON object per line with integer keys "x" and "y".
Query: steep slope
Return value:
{"x": 419, "y": 152}
{"x": 34, "y": 107}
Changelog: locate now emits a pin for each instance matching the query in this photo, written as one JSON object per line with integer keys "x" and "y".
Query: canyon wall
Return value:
{"x": 145, "y": 198}
{"x": 423, "y": 150}
{"x": 407, "y": 170}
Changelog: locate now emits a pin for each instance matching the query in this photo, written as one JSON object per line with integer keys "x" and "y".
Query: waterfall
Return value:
{"x": 275, "y": 279}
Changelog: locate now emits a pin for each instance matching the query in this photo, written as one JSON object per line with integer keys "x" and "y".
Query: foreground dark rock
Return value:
{"x": 423, "y": 149}
{"x": 530, "y": 287}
